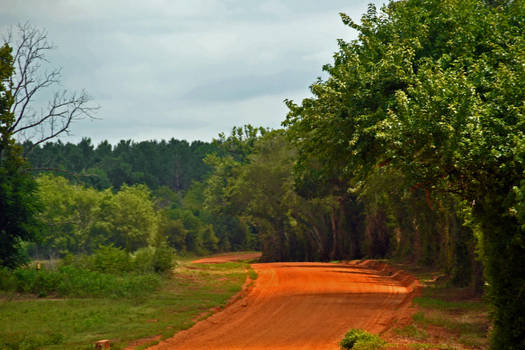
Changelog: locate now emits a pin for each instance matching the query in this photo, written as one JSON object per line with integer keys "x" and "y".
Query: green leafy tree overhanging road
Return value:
{"x": 436, "y": 89}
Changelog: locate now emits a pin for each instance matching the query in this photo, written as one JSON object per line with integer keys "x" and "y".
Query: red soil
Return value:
{"x": 299, "y": 306}
{"x": 227, "y": 258}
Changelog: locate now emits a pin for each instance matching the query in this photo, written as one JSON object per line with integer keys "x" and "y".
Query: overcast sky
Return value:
{"x": 186, "y": 69}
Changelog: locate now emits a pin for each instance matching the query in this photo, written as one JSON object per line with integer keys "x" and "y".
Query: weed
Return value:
{"x": 359, "y": 339}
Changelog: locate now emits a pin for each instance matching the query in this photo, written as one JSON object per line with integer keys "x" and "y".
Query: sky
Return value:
{"x": 190, "y": 69}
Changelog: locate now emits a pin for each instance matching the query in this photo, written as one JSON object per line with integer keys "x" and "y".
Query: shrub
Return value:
{"x": 72, "y": 281}
{"x": 111, "y": 259}
{"x": 143, "y": 260}
{"x": 361, "y": 340}
{"x": 163, "y": 258}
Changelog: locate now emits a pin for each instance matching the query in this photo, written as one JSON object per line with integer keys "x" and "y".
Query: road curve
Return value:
{"x": 300, "y": 306}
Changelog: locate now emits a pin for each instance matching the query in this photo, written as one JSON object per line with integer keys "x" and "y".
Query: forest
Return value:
{"x": 412, "y": 148}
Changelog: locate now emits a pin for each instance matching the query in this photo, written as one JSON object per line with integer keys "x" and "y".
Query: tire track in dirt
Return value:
{"x": 300, "y": 306}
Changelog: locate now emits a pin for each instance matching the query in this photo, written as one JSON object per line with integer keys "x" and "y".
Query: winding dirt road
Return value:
{"x": 300, "y": 306}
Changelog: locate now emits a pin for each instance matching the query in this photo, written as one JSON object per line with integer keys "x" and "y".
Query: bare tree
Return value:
{"x": 30, "y": 81}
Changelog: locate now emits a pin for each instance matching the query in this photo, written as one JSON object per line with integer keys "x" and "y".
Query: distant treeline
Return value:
{"x": 174, "y": 163}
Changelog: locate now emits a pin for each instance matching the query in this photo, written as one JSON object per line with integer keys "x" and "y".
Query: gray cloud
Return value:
{"x": 247, "y": 86}
{"x": 186, "y": 69}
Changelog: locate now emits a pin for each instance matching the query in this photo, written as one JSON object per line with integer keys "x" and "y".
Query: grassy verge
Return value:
{"x": 446, "y": 317}
{"x": 189, "y": 292}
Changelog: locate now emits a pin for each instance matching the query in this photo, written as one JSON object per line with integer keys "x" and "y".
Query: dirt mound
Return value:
{"x": 406, "y": 279}
{"x": 303, "y": 306}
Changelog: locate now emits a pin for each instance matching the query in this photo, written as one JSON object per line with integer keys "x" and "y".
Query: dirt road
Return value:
{"x": 300, "y": 306}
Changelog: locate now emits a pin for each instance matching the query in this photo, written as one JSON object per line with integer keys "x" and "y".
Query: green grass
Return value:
{"x": 448, "y": 317}
{"x": 29, "y": 322}
{"x": 435, "y": 303}
{"x": 252, "y": 274}
{"x": 413, "y": 332}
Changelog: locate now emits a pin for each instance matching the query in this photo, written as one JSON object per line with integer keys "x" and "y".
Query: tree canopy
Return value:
{"x": 435, "y": 90}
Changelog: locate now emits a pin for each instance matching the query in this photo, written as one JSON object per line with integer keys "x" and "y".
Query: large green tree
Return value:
{"x": 435, "y": 89}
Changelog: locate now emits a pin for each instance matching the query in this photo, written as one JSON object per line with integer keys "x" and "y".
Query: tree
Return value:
{"x": 128, "y": 218}
{"x": 18, "y": 202}
{"x": 68, "y": 216}
{"x": 22, "y": 80}
{"x": 435, "y": 90}
{"x": 28, "y": 80}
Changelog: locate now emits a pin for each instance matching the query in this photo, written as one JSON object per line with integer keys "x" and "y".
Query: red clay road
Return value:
{"x": 303, "y": 306}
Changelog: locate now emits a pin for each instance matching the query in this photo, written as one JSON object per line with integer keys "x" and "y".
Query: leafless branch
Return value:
{"x": 30, "y": 80}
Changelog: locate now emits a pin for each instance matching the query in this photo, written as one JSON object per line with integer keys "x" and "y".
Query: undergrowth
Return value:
{"x": 359, "y": 339}
{"x": 108, "y": 272}
{"x": 74, "y": 282}
{"x": 30, "y": 323}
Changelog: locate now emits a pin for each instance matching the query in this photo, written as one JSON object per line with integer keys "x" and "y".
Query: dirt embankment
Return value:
{"x": 299, "y": 306}
{"x": 228, "y": 258}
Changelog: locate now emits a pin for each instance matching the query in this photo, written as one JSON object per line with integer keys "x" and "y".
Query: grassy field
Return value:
{"x": 445, "y": 317}
{"x": 29, "y": 322}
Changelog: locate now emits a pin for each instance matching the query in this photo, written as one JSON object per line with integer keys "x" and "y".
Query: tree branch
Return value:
{"x": 30, "y": 46}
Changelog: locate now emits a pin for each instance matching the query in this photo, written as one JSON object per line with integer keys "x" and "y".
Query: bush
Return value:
{"x": 143, "y": 260}
{"x": 111, "y": 260}
{"x": 110, "y": 271}
{"x": 359, "y": 339}
{"x": 75, "y": 282}
{"x": 163, "y": 258}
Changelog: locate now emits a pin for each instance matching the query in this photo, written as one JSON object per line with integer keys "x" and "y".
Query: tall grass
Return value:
{"x": 73, "y": 281}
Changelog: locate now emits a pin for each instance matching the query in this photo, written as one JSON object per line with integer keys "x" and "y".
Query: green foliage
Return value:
{"x": 74, "y": 282}
{"x": 163, "y": 257}
{"x": 128, "y": 218}
{"x": 239, "y": 145}
{"x": 434, "y": 90}
{"x": 110, "y": 259}
{"x": 361, "y": 340}
{"x": 210, "y": 241}
{"x": 18, "y": 201}
{"x": 21, "y": 341}
{"x": 113, "y": 260}
{"x": 68, "y": 216}
{"x": 78, "y": 219}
